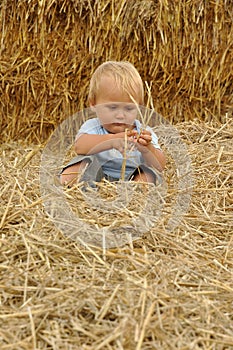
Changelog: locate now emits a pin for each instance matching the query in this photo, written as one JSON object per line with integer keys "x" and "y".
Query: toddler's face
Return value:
{"x": 114, "y": 107}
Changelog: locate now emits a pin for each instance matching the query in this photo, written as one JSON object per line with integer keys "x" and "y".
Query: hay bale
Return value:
{"x": 50, "y": 48}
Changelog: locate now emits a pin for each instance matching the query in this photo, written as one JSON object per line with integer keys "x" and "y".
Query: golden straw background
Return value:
{"x": 165, "y": 290}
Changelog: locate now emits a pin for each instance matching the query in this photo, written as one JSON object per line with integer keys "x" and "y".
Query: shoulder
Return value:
{"x": 91, "y": 126}
{"x": 138, "y": 125}
{"x": 91, "y": 122}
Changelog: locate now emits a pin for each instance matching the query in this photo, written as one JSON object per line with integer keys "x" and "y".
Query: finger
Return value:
{"x": 142, "y": 141}
{"x": 145, "y": 132}
{"x": 133, "y": 135}
{"x": 131, "y": 132}
{"x": 146, "y": 138}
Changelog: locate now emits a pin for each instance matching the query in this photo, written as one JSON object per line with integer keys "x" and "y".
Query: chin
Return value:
{"x": 116, "y": 130}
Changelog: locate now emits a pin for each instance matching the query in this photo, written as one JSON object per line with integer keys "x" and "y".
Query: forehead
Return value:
{"x": 109, "y": 84}
{"x": 110, "y": 90}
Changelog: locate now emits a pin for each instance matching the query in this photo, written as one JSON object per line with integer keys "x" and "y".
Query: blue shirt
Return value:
{"x": 111, "y": 160}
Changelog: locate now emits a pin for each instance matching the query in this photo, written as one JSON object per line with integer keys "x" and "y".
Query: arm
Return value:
{"x": 91, "y": 144}
{"x": 154, "y": 157}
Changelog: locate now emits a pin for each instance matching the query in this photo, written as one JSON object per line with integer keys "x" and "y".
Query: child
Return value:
{"x": 115, "y": 88}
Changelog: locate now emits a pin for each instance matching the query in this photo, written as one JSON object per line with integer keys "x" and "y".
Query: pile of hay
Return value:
{"x": 49, "y": 50}
{"x": 166, "y": 290}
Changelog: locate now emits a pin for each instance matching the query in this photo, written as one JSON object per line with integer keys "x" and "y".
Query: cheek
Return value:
{"x": 130, "y": 118}
{"x": 104, "y": 117}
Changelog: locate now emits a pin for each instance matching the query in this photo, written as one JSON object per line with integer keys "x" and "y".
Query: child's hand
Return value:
{"x": 144, "y": 138}
{"x": 118, "y": 141}
{"x": 141, "y": 140}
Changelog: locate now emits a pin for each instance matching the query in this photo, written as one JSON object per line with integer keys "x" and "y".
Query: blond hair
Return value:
{"x": 125, "y": 75}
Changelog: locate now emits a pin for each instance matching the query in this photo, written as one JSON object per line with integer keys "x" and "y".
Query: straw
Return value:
{"x": 50, "y": 49}
{"x": 161, "y": 288}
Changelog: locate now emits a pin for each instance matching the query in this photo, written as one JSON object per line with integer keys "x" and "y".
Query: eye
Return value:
{"x": 129, "y": 108}
{"x": 112, "y": 107}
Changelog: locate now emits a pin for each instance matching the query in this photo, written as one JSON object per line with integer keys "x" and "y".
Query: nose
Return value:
{"x": 120, "y": 114}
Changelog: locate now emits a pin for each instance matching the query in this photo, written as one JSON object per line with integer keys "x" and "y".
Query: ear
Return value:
{"x": 92, "y": 105}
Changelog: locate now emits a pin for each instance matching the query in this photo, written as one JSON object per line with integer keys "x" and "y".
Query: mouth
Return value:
{"x": 117, "y": 127}
{"x": 123, "y": 126}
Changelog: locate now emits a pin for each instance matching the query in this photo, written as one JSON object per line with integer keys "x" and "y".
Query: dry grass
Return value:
{"x": 163, "y": 291}
{"x": 50, "y": 48}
